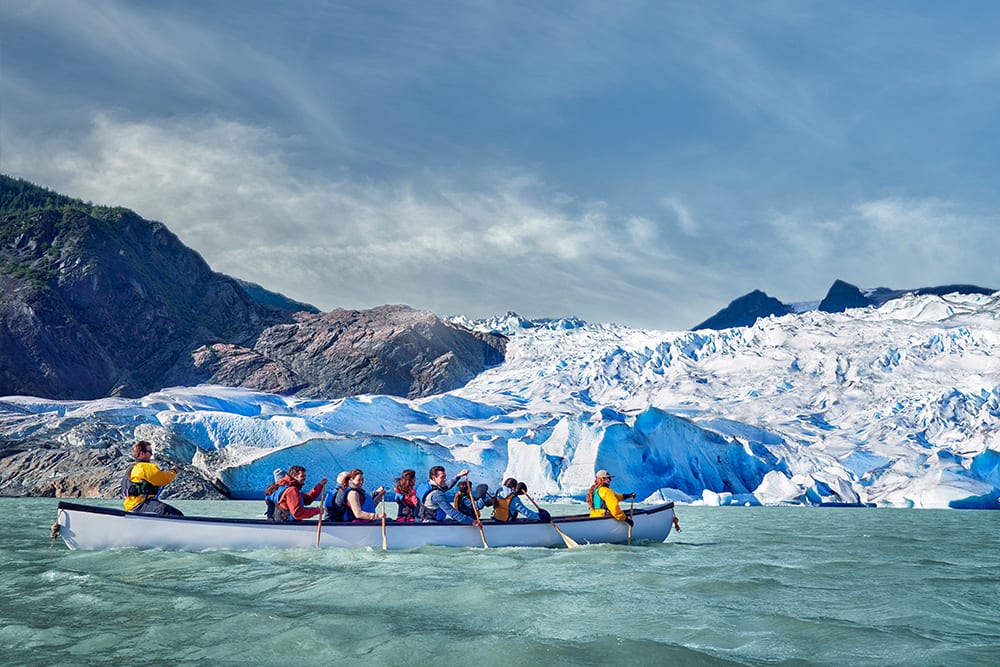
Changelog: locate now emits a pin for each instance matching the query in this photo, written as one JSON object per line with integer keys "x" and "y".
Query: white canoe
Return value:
{"x": 92, "y": 527}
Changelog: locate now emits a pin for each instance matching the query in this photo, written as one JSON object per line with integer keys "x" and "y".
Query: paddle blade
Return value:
{"x": 570, "y": 542}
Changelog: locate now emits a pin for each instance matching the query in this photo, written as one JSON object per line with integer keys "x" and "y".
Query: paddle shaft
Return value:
{"x": 384, "y": 546}
{"x": 631, "y": 513}
{"x": 570, "y": 542}
{"x": 319, "y": 525}
{"x": 475, "y": 511}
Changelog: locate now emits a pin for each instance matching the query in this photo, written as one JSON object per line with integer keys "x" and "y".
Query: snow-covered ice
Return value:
{"x": 896, "y": 406}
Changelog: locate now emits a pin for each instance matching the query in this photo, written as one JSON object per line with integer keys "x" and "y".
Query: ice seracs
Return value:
{"x": 897, "y": 405}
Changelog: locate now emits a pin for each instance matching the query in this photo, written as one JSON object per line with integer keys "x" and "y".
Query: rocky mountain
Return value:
{"x": 747, "y": 309}
{"x": 97, "y": 301}
{"x": 392, "y": 350}
{"x": 744, "y": 311}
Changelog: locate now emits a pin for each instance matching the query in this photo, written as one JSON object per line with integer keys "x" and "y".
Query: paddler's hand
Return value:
{"x": 477, "y": 523}
{"x": 464, "y": 473}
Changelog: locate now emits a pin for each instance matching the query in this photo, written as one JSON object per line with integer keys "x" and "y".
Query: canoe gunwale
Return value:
{"x": 111, "y": 511}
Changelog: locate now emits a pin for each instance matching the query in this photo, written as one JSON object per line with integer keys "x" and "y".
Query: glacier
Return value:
{"x": 896, "y": 406}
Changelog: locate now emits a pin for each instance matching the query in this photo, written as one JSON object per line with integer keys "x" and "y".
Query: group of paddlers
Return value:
{"x": 426, "y": 502}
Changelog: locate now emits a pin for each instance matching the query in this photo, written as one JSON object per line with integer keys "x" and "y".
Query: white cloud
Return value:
{"x": 227, "y": 191}
{"x": 891, "y": 241}
{"x": 340, "y": 239}
{"x": 685, "y": 221}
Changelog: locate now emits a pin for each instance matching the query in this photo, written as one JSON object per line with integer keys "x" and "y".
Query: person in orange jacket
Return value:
{"x": 289, "y": 501}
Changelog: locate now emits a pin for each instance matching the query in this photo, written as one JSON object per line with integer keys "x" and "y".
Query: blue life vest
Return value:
{"x": 348, "y": 512}
{"x": 423, "y": 512}
{"x": 334, "y": 503}
{"x": 274, "y": 512}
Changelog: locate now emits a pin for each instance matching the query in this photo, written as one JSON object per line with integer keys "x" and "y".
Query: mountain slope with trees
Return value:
{"x": 97, "y": 301}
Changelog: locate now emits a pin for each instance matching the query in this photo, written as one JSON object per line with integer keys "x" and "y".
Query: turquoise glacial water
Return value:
{"x": 739, "y": 586}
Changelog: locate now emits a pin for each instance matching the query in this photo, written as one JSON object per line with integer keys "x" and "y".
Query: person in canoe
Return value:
{"x": 404, "y": 494}
{"x": 358, "y": 505}
{"x": 434, "y": 504}
{"x": 289, "y": 501}
{"x": 142, "y": 482}
{"x": 335, "y": 502}
{"x": 508, "y": 506}
{"x": 465, "y": 497}
{"x": 279, "y": 473}
{"x": 603, "y": 501}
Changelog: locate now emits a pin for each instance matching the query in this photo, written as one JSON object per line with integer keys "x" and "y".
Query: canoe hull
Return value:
{"x": 91, "y": 527}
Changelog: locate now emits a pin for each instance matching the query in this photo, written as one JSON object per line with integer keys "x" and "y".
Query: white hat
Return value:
{"x": 341, "y": 477}
{"x": 279, "y": 474}
{"x": 603, "y": 473}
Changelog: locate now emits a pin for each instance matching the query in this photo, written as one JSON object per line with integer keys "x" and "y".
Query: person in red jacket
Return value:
{"x": 290, "y": 503}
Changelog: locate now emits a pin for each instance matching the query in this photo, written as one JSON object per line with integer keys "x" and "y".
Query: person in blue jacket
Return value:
{"x": 507, "y": 505}
{"x": 434, "y": 504}
{"x": 466, "y": 495}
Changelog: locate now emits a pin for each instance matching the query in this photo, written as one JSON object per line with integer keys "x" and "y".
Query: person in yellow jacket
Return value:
{"x": 603, "y": 501}
{"x": 142, "y": 483}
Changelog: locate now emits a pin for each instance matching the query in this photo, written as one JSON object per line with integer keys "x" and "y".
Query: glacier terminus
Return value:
{"x": 894, "y": 406}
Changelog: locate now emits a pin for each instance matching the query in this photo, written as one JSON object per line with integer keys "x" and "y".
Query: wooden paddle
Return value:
{"x": 384, "y": 547}
{"x": 475, "y": 510}
{"x": 319, "y": 525}
{"x": 570, "y": 542}
{"x": 631, "y": 513}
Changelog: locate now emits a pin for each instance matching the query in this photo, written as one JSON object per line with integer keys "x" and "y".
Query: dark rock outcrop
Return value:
{"x": 266, "y": 297}
{"x": 392, "y": 350}
{"x": 747, "y": 309}
{"x": 744, "y": 311}
{"x": 843, "y": 296}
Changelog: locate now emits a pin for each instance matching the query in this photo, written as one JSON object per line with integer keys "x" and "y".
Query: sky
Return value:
{"x": 643, "y": 163}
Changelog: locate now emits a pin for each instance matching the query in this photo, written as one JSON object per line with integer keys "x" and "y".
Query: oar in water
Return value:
{"x": 475, "y": 510}
{"x": 631, "y": 513}
{"x": 319, "y": 525}
{"x": 384, "y": 546}
{"x": 570, "y": 542}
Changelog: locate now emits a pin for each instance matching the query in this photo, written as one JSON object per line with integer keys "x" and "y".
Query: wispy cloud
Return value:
{"x": 641, "y": 162}
{"x": 912, "y": 241}
{"x": 228, "y": 192}
{"x": 685, "y": 221}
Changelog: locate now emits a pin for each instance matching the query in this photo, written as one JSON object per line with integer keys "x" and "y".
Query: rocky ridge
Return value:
{"x": 97, "y": 301}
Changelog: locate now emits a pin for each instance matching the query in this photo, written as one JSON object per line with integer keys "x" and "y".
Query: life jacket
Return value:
{"x": 142, "y": 488}
{"x": 272, "y": 501}
{"x": 405, "y": 511}
{"x": 425, "y": 513}
{"x": 348, "y": 512}
{"x": 335, "y": 504}
{"x": 597, "y": 503}
{"x": 501, "y": 508}
{"x": 463, "y": 505}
